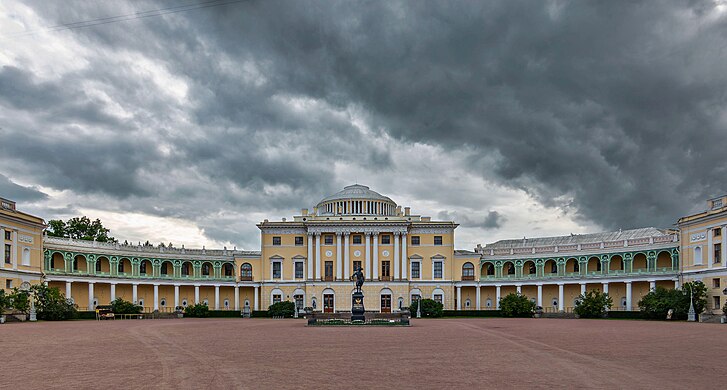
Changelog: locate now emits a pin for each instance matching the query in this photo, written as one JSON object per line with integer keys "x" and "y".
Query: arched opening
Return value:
{"x": 572, "y": 266}
{"x": 594, "y": 265}
{"x": 639, "y": 262}
{"x": 698, "y": 255}
{"x": 186, "y": 269}
{"x": 145, "y": 268}
{"x": 124, "y": 267}
{"x": 166, "y": 269}
{"x": 616, "y": 264}
{"x": 103, "y": 265}
{"x": 414, "y": 296}
{"x": 508, "y": 268}
{"x": 529, "y": 268}
{"x": 206, "y": 269}
{"x": 468, "y": 271}
{"x": 228, "y": 270}
{"x": 663, "y": 261}
{"x": 551, "y": 267}
{"x": 488, "y": 269}
{"x": 79, "y": 263}
{"x": 438, "y": 295}
{"x": 57, "y": 262}
{"x": 246, "y": 272}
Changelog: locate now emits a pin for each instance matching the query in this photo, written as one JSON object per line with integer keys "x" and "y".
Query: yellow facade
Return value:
{"x": 21, "y": 246}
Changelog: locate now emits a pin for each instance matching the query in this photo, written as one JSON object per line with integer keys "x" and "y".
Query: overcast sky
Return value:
{"x": 514, "y": 118}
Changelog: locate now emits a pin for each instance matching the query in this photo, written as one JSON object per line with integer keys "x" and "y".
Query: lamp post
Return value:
{"x": 419, "y": 307}
{"x": 691, "y": 317}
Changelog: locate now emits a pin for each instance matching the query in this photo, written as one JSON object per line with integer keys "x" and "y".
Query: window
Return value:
{"x": 98, "y": 265}
{"x": 120, "y": 268}
{"x": 8, "y": 234}
{"x": 206, "y": 269}
{"x": 716, "y": 303}
{"x": 385, "y": 239}
{"x": 717, "y": 232}
{"x": 437, "y": 240}
{"x": 276, "y": 270}
{"x": 490, "y": 269}
{"x": 8, "y": 250}
{"x": 329, "y": 270}
{"x": 385, "y": 270}
{"x": 717, "y": 253}
{"x": 299, "y": 270}
{"x": 164, "y": 269}
{"x": 298, "y": 301}
{"x": 328, "y": 239}
{"x": 438, "y": 298}
{"x": 576, "y": 267}
{"x": 510, "y": 269}
{"x": 276, "y": 240}
{"x": 468, "y": 271}
{"x": 531, "y": 269}
{"x": 185, "y": 269}
{"x": 438, "y": 270}
{"x": 142, "y": 268}
{"x": 299, "y": 241}
{"x": 75, "y": 264}
{"x": 277, "y": 298}
{"x": 416, "y": 269}
{"x": 715, "y": 283}
{"x": 357, "y": 264}
{"x": 357, "y": 239}
{"x": 553, "y": 267}
{"x": 598, "y": 266}
{"x": 698, "y": 255}
{"x": 246, "y": 271}
{"x": 414, "y": 240}
{"x": 227, "y": 269}
{"x": 9, "y": 284}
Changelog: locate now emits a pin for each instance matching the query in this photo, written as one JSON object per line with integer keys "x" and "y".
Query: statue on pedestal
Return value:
{"x": 357, "y": 303}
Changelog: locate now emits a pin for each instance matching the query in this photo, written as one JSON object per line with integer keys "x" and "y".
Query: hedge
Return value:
{"x": 468, "y": 313}
{"x": 627, "y": 315}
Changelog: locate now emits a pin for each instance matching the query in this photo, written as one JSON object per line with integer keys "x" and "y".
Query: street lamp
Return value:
{"x": 691, "y": 317}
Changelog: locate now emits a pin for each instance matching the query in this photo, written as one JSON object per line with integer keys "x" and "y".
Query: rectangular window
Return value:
{"x": 299, "y": 270}
{"x": 9, "y": 284}
{"x": 7, "y": 235}
{"x": 437, "y": 270}
{"x": 416, "y": 268}
{"x": 298, "y": 301}
{"x": 276, "y": 240}
{"x": 328, "y": 239}
{"x": 717, "y": 232}
{"x": 437, "y": 240}
{"x": 357, "y": 239}
{"x": 385, "y": 239}
{"x": 438, "y": 298}
{"x": 357, "y": 264}
{"x": 414, "y": 240}
{"x": 385, "y": 270}
{"x": 277, "y": 298}
{"x": 716, "y": 303}
{"x": 276, "y": 270}
{"x": 299, "y": 241}
{"x": 8, "y": 251}
{"x": 715, "y": 283}
{"x": 329, "y": 270}
{"x": 717, "y": 253}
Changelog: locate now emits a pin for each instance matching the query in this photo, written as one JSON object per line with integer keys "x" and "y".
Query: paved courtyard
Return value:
{"x": 444, "y": 353}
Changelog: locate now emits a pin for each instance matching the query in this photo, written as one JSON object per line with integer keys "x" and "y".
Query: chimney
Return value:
{"x": 407, "y": 211}
{"x": 315, "y": 210}
{"x": 398, "y": 210}
{"x": 304, "y": 212}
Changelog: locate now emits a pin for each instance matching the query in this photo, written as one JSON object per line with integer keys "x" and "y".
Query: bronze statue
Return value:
{"x": 359, "y": 277}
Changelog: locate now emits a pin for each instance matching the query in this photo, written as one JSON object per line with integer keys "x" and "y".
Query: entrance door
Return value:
{"x": 328, "y": 303}
{"x": 386, "y": 303}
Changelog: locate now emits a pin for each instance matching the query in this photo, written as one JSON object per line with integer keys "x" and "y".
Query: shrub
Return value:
{"x": 20, "y": 300}
{"x": 657, "y": 303}
{"x": 51, "y": 304}
{"x": 199, "y": 310}
{"x": 593, "y": 304}
{"x": 516, "y": 305}
{"x": 430, "y": 308}
{"x": 120, "y": 306}
{"x": 282, "y": 309}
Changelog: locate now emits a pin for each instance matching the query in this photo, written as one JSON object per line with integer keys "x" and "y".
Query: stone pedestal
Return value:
{"x": 357, "y": 307}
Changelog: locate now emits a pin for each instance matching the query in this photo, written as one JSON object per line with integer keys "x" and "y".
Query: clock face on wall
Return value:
{"x": 329, "y": 253}
{"x": 357, "y": 253}
{"x": 385, "y": 253}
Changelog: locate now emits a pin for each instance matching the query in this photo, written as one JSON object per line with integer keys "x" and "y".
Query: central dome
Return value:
{"x": 356, "y": 199}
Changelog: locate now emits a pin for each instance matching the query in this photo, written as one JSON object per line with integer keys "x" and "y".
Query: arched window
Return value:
{"x": 698, "y": 255}
{"x": 206, "y": 269}
{"x": 490, "y": 269}
{"x": 228, "y": 269}
{"x": 531, "y": 268}
{"x": 246, "y": 271}
{"x": 510, "y": 269}
{"x": 468, "y": 271}
{"x": 185, "y": 269}
{"x": 142, "y": 268}
{"x": 164, "y": 268}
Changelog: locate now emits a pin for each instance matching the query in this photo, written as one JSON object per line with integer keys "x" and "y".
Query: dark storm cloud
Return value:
{"x": 613, "y": 111}
{"x": 18, "y": 193}
{"x": 493, "y": 219}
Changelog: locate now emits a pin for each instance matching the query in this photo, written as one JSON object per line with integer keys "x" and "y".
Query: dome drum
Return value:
{"x": 357, "y": 200}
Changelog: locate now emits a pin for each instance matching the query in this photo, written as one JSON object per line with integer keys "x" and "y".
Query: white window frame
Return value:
{"x": 295, "y": 269}
{"x": 272, "y": 268}
{"x": 698, "y": 255}
{"x": 411, "y": 269}
{"x": 436, "y": 260}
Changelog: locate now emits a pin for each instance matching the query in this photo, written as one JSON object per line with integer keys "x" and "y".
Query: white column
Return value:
{"x": 397, "y": 237}
{"x": 317, "y": 274}
{"x": 477, "y": 298}
{"x": 310, "y": 256}
{"x": 2, "y": 248}
{"x": 14, "y": 253}
{"x": 90, "y": 296}
{"x": 652, "y": 285}
{"x": 113, "y": 292}
{"x": 605, "y": 287}
{"x": 561, "y": 307}
{"x": 134, "y": 292}
{"x": 339, "y": 258}
{"x": 237, "y": 298}
{"x": 404, "y": 258}
{"x": 628, "y": 295}
{"x": 156, "y": 297}
{"x": 176, "y": 296}
{"x": 710, "y": 250}
{"x": 497, "y": 296}
{"x": 540, "y": 295}
{"x": 583, "y": 288}
{"x": 257, "y": 304}
{"x": 68, "y": 289}
{"x": 196, "y": 294}
{"x": 217, "y": 297}
{"x": 676, "y": 284}
{"x": 459, "y": 297}
{"x": 519, "y": 288}
{"x": 346, "y": 249}
{"x": 375, "y": 266}
{"x": 368, "y": 256}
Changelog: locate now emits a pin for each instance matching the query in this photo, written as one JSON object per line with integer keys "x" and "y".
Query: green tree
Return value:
{"x": 120, "y": 306}
{"x": 20, "y": 300}
{"x": 657, "y": 303}
{"x": 80, "y": 228}
{"x": 51, "y": 304}
{"x": 430, "y": 308}
{"x": 199, "y": 310}
{"x": 593, "y": 304}
{"x": 4, "y": 301}
{"x": 281, "y": 309}
{"x": 516, "y": 305}
{"x": 700, "y": 294}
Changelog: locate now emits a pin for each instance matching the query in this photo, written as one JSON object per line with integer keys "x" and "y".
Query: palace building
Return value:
{"x": 310, "y": 258}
